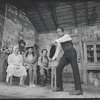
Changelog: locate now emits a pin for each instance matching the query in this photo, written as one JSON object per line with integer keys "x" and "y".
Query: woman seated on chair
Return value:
{"x": 30, "y": 63}
{"x": 15, "y": 66}
{"x": 43, "y": 62}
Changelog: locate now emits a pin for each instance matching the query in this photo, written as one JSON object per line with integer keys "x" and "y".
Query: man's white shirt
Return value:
{"x": 64, "y": 38}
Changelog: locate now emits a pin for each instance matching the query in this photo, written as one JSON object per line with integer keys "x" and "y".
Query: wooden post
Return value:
{"x": 42, "y": 19}
{"x": 74, "y": 14}
{"x": 53, "y": 74}
{"x": 53, "y": 14}
{"x": 85, "y": 69}
{"x": 86, "y": 12}
{"x": 81, "y": 49}
{"x": 52, "y": 78}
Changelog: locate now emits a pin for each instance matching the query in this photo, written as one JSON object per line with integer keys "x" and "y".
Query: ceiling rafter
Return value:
{"x": 74, "y": 14}
{"x": 86, "y": 13}
{"x": 35, "y": 7}
{"x": 26, "y": 12}
{"x": 41, "y": 18}
{"x": 53, "y": 14}
{"x": 31, "y": 20}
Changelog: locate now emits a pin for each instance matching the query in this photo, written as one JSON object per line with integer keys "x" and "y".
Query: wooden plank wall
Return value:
{"x": 46, "y": 16}
{"x": 2, "y": 13}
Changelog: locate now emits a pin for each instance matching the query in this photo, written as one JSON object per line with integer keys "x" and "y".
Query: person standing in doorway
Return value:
{"x": 69, "y": 56}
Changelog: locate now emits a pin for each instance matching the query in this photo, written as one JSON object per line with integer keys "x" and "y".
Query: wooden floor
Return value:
{"x": 15, "y": 91}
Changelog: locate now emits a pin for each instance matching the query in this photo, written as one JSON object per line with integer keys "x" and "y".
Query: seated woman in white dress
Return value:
{"x": 30, "y": 62}
{"x": 15, "y": 66}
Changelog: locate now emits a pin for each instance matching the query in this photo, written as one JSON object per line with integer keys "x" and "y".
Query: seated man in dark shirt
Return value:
{"x": 21, "y": 46}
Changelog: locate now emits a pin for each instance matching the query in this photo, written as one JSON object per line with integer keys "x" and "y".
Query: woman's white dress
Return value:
{"x": 15, "y": 67}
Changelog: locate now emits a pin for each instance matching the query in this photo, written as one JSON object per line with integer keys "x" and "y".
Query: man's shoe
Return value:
{"x": 76, "y": 92}
{"x": 21, "y": 85}
{"x": 42, "y": 84}
{"x": 57, "y": 89}
{"x": 33, "y": 85}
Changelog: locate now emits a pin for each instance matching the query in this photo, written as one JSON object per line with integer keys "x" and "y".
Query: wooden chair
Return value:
{"x": 15, "y": 80}
{"x": 48, "y": 75}
{"x": 36, "y": 76}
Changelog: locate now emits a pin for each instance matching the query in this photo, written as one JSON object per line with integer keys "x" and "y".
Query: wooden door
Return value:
{"x": 67, "y": 72}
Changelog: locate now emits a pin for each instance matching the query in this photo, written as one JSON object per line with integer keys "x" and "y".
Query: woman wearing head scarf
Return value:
{"x": 15, "y": 67}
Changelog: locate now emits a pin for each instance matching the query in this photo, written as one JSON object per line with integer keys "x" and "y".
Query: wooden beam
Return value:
{"x": 86, "y": 12}
{"x": 53, "y": 14}
{"x": 26, "y": 12}
{"x": 30, "y": 19}
{"x": 41, "y": 18}
{"x": 74, "y": 13}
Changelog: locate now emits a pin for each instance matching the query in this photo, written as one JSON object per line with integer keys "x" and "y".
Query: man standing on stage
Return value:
{"x": 69, "y": 56}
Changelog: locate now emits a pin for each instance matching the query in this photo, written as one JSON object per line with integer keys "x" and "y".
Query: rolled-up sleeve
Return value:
{"x": 64, "y": 38}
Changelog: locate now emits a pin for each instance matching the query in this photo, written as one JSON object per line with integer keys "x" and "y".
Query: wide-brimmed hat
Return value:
{"x": 21, "y": 41}
{"x": 30, "y": 47}
{"x": 36, "y": 46}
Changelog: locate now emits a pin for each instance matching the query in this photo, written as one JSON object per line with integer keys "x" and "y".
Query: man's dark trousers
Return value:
{"x": 69, "y": 57}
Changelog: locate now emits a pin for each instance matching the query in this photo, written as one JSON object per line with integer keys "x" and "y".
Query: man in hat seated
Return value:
{"x": 22, "y": 44}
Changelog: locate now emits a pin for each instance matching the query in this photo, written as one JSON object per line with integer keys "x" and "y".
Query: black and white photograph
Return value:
{"x": 49, "y": 49}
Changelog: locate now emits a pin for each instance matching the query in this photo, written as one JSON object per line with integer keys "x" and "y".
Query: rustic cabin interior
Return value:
{"x": 80, "y": 19}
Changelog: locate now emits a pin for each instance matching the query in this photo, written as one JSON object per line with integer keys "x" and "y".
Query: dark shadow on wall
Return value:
{"x": 93, "y": 17}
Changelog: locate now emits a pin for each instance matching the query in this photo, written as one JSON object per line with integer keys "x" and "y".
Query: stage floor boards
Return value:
{"x": 14, "y": 91}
